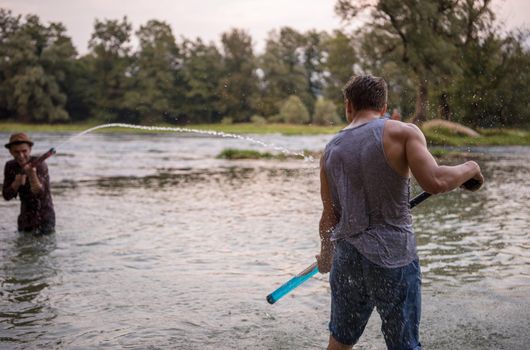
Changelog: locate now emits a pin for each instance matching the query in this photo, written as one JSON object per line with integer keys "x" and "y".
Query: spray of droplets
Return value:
{"x": 194, "y": 131}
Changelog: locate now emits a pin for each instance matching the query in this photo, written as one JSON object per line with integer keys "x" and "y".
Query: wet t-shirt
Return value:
{"x": 36, "y": 210}
{"x": 370, "y": 199}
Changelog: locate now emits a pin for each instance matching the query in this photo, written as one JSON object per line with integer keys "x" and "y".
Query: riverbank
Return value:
{"x": 488, "y": 137}
{"x": 436, "y": 137}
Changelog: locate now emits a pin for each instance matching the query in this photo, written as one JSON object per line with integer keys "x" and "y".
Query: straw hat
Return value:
{"x": 17, "y": 139}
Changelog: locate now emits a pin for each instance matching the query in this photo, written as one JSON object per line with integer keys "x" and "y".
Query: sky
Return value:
{"x": 208, "y": 19}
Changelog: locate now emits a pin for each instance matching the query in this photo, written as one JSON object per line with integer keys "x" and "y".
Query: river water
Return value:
{"x": 160, "y": 245}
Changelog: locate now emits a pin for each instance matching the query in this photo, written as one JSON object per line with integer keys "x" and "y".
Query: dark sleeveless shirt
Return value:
{"x": 370, "y": 198}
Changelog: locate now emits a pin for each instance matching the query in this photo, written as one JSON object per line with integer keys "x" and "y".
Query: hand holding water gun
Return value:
{"x": 41, "y": 158}
{"x": 31, "y": 165}
{"x": 29, "y": 170}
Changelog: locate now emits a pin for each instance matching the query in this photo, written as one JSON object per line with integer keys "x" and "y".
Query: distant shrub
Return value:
{"x": 258, "y": 119}
{"x": 275, "y": 119}
{"x": 294, "y": 111}
{"x": 325, "y": 113}
{"x": 232, "y": 153}
{"x": 227, "y": 120}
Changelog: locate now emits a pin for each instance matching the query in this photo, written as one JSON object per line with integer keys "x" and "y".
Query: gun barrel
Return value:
{"x": 42, "y": 157}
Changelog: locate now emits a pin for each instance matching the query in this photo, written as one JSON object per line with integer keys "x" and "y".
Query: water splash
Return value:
{"x": 194, "y": 131}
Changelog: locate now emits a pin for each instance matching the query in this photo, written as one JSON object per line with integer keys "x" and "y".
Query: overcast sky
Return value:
{"x": 207, "y": 19}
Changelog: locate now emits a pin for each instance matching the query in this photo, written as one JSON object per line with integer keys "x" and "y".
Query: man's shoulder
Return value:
{"x": 335, "y": 138}
{"x": 11, "y": 168}
{"x": 10, "y": 164}
{"x": 400, "y": 129}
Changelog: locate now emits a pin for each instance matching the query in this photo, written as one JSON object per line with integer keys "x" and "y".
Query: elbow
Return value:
{"x": 328, "y": 220}
{"x": 325, "y": 221}
{"x": 436, "y": 187}
{"x": 7, "y": 196}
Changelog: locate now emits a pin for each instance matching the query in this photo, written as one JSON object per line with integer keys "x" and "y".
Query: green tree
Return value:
{"x": 9, "y": 25}
{"x": 293, "y": 111}
{"x": 239, "y": 83}
{"x": 377, "y": 56}
{"x": 110, "y": 64}
{"x": 79, "y": 86}
{"x": 325, "y": 113}
{"x": 202, "y": 69}
{"x": 473, "y": 23}
{"x": 314, "y": 57}
{"x": 339, "y": 64}
{"x": 493, "y": 89}
{"x": 283, "y": 70}
{"x": 33, "y": 68}
{"x": 427, "y": 35}
{"x": 156, "y": 83}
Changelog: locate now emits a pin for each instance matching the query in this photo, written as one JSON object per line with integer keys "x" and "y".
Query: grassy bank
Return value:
{"x": 497, "y": 137}
{"x": 488, "y": 137}
{"x": 234, "y": 154}
{"x": 237, "y": 154}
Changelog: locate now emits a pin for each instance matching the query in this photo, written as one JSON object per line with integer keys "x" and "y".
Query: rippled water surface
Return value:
{"x": 160, "y": 245}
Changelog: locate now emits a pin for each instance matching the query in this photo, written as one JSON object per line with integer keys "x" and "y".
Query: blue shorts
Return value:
{"x": 358, "y": 285}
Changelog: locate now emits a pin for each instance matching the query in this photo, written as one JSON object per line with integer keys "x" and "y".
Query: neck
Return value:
{"x": 364, "y": 116}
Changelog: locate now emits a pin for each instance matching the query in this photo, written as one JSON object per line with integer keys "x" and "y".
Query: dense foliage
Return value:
{"x": 442, "y": 59}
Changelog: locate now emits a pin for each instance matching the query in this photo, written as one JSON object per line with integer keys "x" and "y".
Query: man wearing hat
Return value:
{"x": 31, "y": 183}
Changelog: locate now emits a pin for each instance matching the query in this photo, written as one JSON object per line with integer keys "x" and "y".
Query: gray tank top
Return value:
{"x": 370, "y": 198}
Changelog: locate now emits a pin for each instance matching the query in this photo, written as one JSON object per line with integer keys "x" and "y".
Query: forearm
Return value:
{"x": 34, "y": 183}
{"x": 448, "y": 178}
{"x": 15, "y": 185}
{"x": 326, "y": 227}
{"x": 432, "y": 177}
{"x": 328, "y": 221}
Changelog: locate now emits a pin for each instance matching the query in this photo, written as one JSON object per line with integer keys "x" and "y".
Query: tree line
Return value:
{"x": 442, "y": 59}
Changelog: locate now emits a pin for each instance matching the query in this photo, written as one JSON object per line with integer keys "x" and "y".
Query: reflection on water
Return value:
{"x": 162, "y": 246}
{"x": 27, "y": 272}
{"x": 471, "y": 236}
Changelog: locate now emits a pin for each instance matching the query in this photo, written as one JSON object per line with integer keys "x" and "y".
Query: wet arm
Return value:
{"x": 328, "y": 221}
{"x": 9, "y": 188}
{"x": 432, "y": 177}
{"x": 36, "y": 178}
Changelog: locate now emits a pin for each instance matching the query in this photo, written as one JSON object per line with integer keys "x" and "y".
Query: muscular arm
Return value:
{"x": 328, "y": 221}
{"x": 432, "y": 177}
